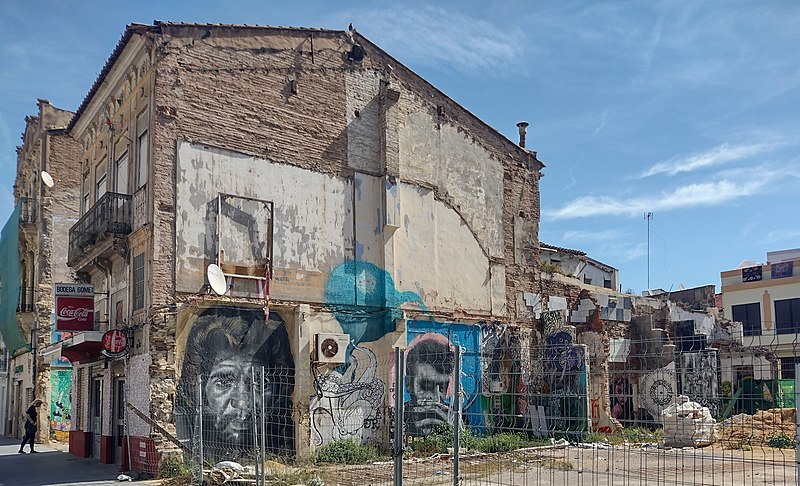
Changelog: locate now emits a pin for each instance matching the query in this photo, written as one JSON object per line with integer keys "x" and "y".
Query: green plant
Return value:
{"x": 173, "y": 467}
{"x": 501, "y": 443}
{"x": 346, "y": 451}
{"x": 552, "y": 268}
{"x": 782, "y": 441}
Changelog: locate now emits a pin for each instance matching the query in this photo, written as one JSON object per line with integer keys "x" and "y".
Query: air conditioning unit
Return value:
{"x": 331, "y": 348}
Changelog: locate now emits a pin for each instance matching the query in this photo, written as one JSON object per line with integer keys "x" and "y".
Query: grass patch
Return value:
{"x": 346, "y": 451}
{"x": 782, "y": 441}
{"x": 443, "y": 437}
{"x": 304, "y": 477}
{"x": 174, "y": 467}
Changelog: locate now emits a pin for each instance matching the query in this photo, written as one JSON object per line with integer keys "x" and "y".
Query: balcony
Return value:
{"x": 26, "y": 300}
{"x": 109, "y": 217}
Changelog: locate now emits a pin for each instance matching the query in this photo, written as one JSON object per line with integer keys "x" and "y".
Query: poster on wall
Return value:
{"x": 74, "y": 307}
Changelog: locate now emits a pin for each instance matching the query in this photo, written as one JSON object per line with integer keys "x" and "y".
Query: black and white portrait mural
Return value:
{"x": 221, "y": 391}
{"x": 430, "y": 360}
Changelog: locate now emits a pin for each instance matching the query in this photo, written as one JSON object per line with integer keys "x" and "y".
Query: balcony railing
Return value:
{"x": 27, "y": 210}
{"x": 26, "y": 300}
{"x": 111, "y": 215}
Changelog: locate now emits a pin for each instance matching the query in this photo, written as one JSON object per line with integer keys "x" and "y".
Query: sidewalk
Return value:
{"x": 53, "y": 467}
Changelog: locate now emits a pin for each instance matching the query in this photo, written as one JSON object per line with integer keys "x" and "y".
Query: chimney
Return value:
{"x": 523, "y": 127}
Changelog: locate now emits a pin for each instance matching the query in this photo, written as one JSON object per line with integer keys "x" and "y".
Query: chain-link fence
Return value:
{"x": 502, "y": 407}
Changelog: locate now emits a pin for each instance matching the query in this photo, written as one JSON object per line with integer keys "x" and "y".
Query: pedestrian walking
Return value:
{"x": 30, "y": 426}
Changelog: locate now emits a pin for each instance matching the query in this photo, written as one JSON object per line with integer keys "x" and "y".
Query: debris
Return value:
{"x": 747, "y": 430}
{"x": 688, "y": 424}
{"x": 124, "y": 477}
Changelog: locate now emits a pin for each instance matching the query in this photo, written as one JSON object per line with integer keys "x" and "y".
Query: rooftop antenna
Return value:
{"x": 649, "y": 217}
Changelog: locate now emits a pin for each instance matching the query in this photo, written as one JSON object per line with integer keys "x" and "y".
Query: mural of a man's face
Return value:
{"x": 230, "y": 398}
{"x": 430, "y": 365}
{"x": 226, "y": 349}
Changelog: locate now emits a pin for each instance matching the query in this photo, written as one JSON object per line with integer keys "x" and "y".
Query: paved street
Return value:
{"x": 51, "y": 467}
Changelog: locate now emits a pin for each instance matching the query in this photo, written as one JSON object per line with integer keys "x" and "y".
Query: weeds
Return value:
{"x": 346, "y": 451}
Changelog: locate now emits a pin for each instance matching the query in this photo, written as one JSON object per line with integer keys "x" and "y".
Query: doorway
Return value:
{"x": 96, "y": 394}
{"x": 118, "y": 419}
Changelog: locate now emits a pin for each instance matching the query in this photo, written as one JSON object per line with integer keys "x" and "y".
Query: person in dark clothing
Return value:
{"x": 30, "y": 426}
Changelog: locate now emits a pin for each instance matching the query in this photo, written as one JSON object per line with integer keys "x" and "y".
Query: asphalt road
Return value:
{"x": 51, "y": 467}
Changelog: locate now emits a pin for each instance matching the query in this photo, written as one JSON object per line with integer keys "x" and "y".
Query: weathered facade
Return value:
{"x": 45, "y": 216}
{"x": 327, "y": 180}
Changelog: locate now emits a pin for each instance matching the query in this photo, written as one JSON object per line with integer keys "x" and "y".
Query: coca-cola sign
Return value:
{"x": 74, "y": 307}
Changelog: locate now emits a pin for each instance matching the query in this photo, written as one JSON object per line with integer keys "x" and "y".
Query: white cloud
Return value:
{"x": 435, "y": 36}
{"x": 633, "y": 253}
{"x": 730, "y": 186}
{"x": 716, "y": 156}
{"x": 602, "y": 124}
{"x": 778, "y": 236}
{"x": 590, "y": 236}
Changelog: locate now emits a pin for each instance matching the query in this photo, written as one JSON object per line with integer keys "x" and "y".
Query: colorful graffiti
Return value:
{"x": 60, "y": 399}
{"x": 505, "y": 378}
{"x": 225, "y": 350}
{"x": 621, "y": 399}
{"x": 566, "y": 384}
{"x": 365, "y": 301}
{"x": 349, "y": 404}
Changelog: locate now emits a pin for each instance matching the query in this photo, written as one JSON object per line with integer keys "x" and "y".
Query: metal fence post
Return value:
{"x": 200, "y": 421}
{"x": 263, "y": 455}
{"x": 797, "y": 420}
{"x": 255, "y": 424}
{"x": 457, "y": 402}
{"x": 399, "y": 386}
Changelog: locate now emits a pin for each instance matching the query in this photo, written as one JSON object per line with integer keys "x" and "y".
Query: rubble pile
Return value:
{"x": 687, "y": 424}
{"x": 758, "y": 429}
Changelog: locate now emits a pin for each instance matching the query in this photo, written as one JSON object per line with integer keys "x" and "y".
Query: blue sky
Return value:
{"x": 686, "y": 109}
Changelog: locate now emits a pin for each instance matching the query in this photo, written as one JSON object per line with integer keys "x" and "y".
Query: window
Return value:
{"x": 750, "y": 317}
{"x": 142, "y": 150}
{"x": 100, "y": 187}
{"x": 138, "y": 282}
{"x": 787, "y": 367}
{"x": 787, "y": 316}
{"x": 85, "y": 201}
{"x": 607, "y": 283}
{"x": 121, "y": 174}
{"x": 587, "y": 280}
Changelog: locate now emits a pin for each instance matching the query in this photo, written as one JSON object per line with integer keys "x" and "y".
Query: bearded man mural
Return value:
{"x": 226, "y": 351}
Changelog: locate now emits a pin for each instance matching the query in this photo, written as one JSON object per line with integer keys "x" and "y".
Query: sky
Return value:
{"x": 689, "y": 110}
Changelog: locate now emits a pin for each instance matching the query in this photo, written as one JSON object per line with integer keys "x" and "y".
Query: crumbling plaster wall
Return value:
{"x": 264, "y": 95}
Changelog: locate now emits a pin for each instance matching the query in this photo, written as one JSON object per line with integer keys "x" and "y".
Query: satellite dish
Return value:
{"x": 217, "y": 279}
{"x": 329, "y": 348}
{"x": 47, "y": 179}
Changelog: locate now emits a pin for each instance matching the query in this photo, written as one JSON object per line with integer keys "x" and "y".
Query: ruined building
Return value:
{"x": 33, "y": 256}
{"x": 325, "y": 179}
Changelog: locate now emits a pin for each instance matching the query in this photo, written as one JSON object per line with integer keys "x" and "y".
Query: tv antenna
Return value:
{"x": 649, "y": 217}
{"x": 216, "y": 279}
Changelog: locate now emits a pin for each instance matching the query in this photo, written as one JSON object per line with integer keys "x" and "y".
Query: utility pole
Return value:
{"x": 649, "y": 217}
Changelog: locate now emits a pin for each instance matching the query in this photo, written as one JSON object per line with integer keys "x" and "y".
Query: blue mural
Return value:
{"x": 428, "y": 389}
{"x": 365, "y": 301}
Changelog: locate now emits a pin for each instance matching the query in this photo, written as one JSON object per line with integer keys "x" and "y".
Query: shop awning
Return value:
{"x": 82, "y": 346}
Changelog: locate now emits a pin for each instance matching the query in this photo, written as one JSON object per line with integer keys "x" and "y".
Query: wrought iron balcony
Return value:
{"x": 26, "y": 300}
{"x": 111, "y": 215}
{"x": 27, "y": 210}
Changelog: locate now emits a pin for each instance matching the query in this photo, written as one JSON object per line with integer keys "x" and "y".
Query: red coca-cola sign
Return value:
{"x": 74, "y": 307}
{"x": 115, "y": 341}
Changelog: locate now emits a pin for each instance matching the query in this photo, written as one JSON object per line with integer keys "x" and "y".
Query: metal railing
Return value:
{"x": 26, "y": 301}
{"x": 27, "y": 211}
{"x": 110, "y": 215}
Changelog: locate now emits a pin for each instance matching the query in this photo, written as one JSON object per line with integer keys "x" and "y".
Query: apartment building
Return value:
{"x": 341, "y": 195}
{"x": 34, "y": 257}
{"x": 765, "y": 298}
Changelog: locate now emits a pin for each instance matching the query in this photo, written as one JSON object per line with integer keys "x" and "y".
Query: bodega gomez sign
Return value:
{"x": 74, "y": 307}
